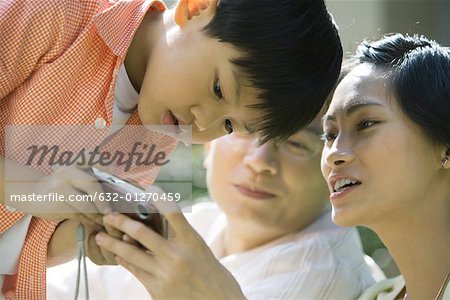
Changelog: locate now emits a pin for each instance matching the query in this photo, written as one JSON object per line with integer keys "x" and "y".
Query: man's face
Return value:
{"x": 190, "y": 80}
{"x": 277, "y": 187}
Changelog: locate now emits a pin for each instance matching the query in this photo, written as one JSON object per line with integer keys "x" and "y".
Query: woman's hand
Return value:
{"x": 182, "y": 267}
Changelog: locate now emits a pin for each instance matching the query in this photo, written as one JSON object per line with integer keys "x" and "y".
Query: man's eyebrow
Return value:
{"x": 351, "y": 108}
{"x": 313, "y": 129}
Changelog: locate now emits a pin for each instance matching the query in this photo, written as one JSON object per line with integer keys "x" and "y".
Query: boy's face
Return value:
{"x": 190, "y": 80}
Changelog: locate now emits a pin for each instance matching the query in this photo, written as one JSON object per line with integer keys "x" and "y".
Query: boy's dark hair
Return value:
{"x": 292, "y": 53}
{"x": 418, "y": 75}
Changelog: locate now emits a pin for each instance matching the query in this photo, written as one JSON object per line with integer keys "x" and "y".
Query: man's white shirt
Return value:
{"x": 322, "y": 261}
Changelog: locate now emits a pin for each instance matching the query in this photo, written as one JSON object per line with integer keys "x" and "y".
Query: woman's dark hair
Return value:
{"x": 418, "y": 75}
{"x": 291, "y": 52}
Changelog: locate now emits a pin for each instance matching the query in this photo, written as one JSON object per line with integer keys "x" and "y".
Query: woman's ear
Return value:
{"x": 445, "y": 157}
{"x": 185, "y": 10}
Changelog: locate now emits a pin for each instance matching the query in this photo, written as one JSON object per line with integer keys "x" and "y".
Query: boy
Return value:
{"x": 244, "y": 66}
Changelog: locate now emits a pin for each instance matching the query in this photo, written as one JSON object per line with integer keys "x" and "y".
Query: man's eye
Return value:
{"x": 297, "y": 145}
{"x": 217, "y": 89}
{"x": 228, "y": 126}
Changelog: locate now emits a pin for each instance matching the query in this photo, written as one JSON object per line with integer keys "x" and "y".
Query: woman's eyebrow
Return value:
{"x": 353, "y": 107}
{"x": 350, "y": 108}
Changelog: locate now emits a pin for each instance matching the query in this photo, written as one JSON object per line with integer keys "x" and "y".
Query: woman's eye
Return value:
{"x": 228, "y": 126}
{"x": 366, "y": 124}
{"x": 217, "y": 89}
{"x": 328, "y": 136}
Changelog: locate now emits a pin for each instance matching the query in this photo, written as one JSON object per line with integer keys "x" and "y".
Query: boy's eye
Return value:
{"x": 217, "y": 89}
{"x": 228, "y": 126}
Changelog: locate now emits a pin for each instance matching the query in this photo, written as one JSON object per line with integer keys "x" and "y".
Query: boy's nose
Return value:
{"x": 205, "y": 118}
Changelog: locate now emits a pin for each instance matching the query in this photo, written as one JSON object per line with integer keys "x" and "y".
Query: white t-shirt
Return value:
{"x": 11, "y": 242}
{"x": 125, "y": 99}
{"x": 322, "y": 261}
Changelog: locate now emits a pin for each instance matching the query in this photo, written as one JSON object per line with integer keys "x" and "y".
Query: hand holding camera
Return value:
{"x": 124, "y": 198}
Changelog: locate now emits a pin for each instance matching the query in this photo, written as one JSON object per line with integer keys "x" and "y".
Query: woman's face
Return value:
{"x": 377, "y": 162}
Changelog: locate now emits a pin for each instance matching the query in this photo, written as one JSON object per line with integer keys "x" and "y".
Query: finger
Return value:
{"x": 112, "y": 231}
{"x": 93, "y": 251}
{"x": 162, "y": 205}
{"x": 179, "y": 226}
{"x": 89, "y": 185}
{"x": 73, "y": 209}
{"x": 108, "y": 256}
{"x": 171, "y": 211}
{"x": 94, "y": 218}
{"x": 82, "y": 210}
{"x": 138, "y": 231}
{"x": 129, "y": 240}
{"x": 129, "y": 252}
{"x": 85, "y": 220}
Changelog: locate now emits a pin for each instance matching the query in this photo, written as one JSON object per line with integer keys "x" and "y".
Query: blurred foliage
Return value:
{"x": 184, "y": 173}
{"x": 375, "y": 248}
{"x": 371, "y": 241}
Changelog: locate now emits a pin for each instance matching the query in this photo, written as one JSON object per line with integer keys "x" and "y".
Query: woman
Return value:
{"x": 385, "y": 158}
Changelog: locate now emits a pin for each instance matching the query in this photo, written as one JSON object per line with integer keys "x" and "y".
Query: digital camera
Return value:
{"x": 123, "y": 197}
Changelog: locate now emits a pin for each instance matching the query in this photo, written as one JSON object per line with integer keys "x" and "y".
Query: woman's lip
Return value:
{"x": 253, "y": 194}
{"x": 335, "y": 196}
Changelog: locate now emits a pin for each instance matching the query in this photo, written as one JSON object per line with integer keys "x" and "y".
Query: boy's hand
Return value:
{"x": 66, "y": 184}
{"x": 63, "y": 245}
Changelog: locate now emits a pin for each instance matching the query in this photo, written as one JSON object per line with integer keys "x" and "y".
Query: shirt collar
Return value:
{"x": 118, "y": 21}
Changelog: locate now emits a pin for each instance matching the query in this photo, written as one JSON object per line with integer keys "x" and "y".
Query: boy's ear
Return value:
{"x": 185, "y": 10}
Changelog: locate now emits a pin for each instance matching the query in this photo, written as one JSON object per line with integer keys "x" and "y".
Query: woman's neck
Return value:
{"x": 421, "y": 248}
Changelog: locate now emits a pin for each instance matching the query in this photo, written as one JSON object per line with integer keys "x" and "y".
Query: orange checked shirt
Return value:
{"x": 58, "y": 63}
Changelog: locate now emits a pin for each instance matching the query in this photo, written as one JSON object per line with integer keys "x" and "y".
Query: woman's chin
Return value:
{"x": 343, "y": 218}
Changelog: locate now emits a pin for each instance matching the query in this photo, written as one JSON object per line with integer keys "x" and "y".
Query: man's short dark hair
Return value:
{"x": 291, "y": 53}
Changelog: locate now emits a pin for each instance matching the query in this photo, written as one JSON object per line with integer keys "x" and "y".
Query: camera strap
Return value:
{"x": 81, "y": 258}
